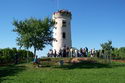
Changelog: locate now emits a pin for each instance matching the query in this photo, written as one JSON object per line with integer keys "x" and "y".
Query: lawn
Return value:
{"x": 86, "y": 72}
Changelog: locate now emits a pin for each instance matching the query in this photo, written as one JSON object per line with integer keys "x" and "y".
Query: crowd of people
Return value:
{"x": 72, "y": 52}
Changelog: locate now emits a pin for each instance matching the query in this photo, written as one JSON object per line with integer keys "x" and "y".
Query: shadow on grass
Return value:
{"x": 10, "y": 70}
{"x": 89, "y": 65}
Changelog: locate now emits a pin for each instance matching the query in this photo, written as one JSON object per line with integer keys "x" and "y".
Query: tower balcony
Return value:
{"x": 62, "y": 14}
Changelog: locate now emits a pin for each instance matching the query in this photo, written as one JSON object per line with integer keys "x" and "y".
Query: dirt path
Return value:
{"x": 122, "y": 61}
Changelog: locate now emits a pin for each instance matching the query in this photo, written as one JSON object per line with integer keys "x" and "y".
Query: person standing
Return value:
{"x": 64, "y": 52}
{"x": 71, "y": 52}
{"x": 76, "y": 53}
{"x": 55, "y": 54}
{"x": 60, "y": 53}
{"x": 49, "y": 53}
{"x": 67, "y": 51}
{"x": 81, "y": 52}
{"x": 86, "y": 51}
{"x": 91, "y": 53}
{"x": 35, "y": 59}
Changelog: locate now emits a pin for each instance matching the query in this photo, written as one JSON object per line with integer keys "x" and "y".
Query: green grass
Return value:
{"x": 84, "y": 72}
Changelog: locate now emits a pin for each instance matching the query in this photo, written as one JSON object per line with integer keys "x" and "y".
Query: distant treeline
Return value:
{"x": 8, "y": 55}
{"x": 118, "y": 53}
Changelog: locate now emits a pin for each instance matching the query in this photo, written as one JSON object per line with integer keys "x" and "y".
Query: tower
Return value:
{"x": 62, "y": 30}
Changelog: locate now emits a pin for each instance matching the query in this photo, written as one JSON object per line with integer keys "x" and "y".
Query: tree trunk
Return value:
{"x": 34, "y": 51}
{"x": 27, "y": 56}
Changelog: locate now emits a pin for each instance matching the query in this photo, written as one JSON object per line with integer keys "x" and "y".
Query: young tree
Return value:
{"x": 107, "y": 47}
{"x": 34, "y": 33}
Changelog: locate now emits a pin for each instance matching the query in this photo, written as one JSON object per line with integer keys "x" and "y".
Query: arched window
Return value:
{"x": 64, "y": 23}
{"x": 63, "y": 35}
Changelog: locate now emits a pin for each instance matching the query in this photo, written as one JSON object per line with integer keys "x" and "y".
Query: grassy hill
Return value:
{"x": 84, "y": 72}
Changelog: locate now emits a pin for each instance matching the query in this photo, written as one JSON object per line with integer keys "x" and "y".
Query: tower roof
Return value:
{"x": 63, "y": 13}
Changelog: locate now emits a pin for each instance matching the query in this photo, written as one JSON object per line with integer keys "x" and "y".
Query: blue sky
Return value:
{"x": 93, "y": 21}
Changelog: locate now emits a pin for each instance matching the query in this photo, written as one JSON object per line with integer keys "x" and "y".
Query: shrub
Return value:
{"x": 8, "y": 55}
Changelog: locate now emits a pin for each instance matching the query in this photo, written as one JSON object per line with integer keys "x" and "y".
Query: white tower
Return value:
{"x": 62, "y": 30}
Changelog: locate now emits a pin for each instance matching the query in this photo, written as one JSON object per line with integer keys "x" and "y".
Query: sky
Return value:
{"x": 93, "y": 21}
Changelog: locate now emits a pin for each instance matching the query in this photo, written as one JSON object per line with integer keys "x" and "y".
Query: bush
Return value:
{"x": 118, "y": 53}
{"x": 9, "y": 55}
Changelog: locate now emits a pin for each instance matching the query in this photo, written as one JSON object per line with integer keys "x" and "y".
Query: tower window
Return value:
{"x": 55, "y": 27}
{"x": 64, "y": 35}
{"x": 63, "y": 23}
